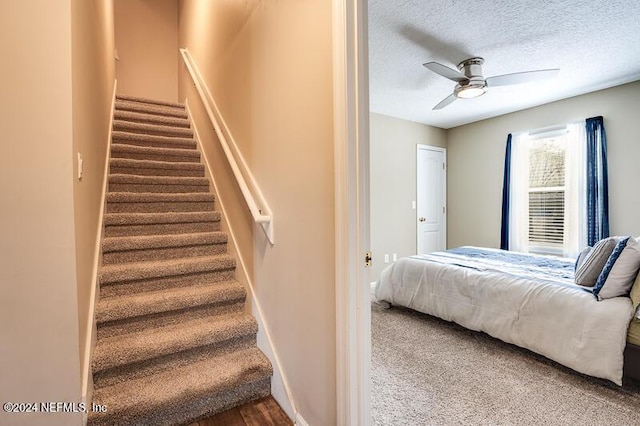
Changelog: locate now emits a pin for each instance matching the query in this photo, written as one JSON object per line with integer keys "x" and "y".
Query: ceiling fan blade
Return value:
{"x": 446, "y": 72}
{"x": 521, "y": 77}
{"x": 446, "y": 101}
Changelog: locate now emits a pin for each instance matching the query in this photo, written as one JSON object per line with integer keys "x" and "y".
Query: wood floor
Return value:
{"x": 261, "y": 412}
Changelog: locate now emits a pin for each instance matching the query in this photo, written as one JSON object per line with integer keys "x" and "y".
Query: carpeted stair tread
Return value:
{"x": 148, "y": 164}
{"x": 144, "y": 322}
{"x": 167, "y": 223}
{"x": 132, "y": 127}
{"x": 141, "y": 117}
{"x": 122, "y": 307}
{"x": 180, "y": 243}
{"x": 139, "y": 346}
{"x": 160, "y": 141}
{"x": 149, "y": 151}
{"x": 151, "y": 109}
{"x": 141, "y": 100}
{"x": 154, "y": 197}
{"x": 172, "y": 361}
{"x": 153, "y": 186}
{"x": 158, "y": 180}
{"x": 159, "y": 202}
{"x": 171, "y": 397}
{"x": 157, "y": 218}
{"x": 122, "y": 272}
{"x": 139, "y": 242}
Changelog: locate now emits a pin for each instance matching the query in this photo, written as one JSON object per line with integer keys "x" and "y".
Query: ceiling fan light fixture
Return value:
{"x": 470, "y": 91}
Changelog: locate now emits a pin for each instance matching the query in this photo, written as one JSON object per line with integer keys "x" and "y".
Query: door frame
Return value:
{"x": 444, "y": 191}
{"x": 351, "y": 163}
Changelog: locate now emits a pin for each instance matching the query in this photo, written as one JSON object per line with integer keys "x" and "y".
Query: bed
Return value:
{"x": 632, "y": 351}
{"x": 527, "y": 300}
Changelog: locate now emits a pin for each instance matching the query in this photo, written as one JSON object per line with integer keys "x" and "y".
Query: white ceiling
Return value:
{"x": 595, "y": 43}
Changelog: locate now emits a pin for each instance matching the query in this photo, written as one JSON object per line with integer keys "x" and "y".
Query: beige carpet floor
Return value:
{"x": 426, "y": 371}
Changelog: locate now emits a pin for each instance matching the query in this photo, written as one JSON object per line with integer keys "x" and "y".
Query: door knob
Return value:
{"x": 422, "y": 219}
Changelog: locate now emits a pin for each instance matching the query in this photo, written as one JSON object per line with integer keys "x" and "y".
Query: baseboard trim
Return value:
{"x": 90, "y": 338}
{"x": 280, "y": 389}
{"x": 300, "y": 421}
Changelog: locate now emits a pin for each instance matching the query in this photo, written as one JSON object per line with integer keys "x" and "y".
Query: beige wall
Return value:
{"x": 39, "y": 358}
{"x": 476, "y": 162}
{"x": 269, "y": 67}
{"x": 147, "y": 42}
{"x": 393, "y": 184}
{"x": 93, "y": 70}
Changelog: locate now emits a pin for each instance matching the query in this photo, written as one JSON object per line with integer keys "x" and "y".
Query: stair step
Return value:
{"x": 114, "y": 244}
{"x": 119, "y": 308}
{"x": 155, "y": 168}
{"x": 133, "y": 106}
{"x": 151, "y": 129}
{"x": 157, "y": 202}
{"x": 127, "y": 224}
{"x": 154, "y": 197}
{"x": 141, "y": 117}
{"x": 144, "y": 322}
{"x": 146, "y": 184}
{"x": 155, "y": 247}
{"x": 187, "y": 392}
{"x": 159, "y": 218}
{"x": 139, "y": 99}
{"x": 138, "y": 271}
{"x": 159, "y": 364}
{"x": 158, "y": 180}
{"x": 143, "y": 345}
{"x": 134, "y": 152}
{"x": 159, "y": 141}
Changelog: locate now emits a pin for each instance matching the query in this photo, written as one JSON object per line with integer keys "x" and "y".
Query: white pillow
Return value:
{"x": 623, "y": 272}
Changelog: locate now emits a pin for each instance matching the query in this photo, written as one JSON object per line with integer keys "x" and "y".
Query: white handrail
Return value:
{"x": 259, "y": 210}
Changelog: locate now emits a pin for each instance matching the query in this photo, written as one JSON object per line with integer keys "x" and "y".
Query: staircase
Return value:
{"x": 174, "y": 343}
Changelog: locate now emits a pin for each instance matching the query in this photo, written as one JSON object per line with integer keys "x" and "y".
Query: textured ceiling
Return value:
{"x": 595, "y": 43}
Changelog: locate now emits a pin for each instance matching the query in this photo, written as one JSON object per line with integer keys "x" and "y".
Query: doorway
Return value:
{"x": 431, "y": 184}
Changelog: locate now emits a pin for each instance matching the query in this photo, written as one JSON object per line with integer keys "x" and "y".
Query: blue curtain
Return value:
{"x": 597, "y": 181}
{"x": 504, "y": 233}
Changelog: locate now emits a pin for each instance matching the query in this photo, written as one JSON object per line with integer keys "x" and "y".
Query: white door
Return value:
{"x": 431, "y": 199}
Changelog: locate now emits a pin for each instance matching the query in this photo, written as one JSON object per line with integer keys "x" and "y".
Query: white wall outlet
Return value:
{"x": 413, "y": 205}
{"x": 394, "y": 257}
{"x": 80, "y": 166}
{"x": 386, "y": 258}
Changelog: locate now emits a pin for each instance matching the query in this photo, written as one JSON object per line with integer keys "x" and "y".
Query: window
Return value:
{"x": 547, "y": 189}
{"x": 547, "y": 194}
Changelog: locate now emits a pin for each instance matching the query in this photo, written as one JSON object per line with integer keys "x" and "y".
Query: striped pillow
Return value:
{"x": 588, "y": 272}
{"x": 581, "y": 257}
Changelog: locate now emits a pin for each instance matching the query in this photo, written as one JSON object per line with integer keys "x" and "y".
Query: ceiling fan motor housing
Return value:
{"x": 471, "y": 67}
{"x": 476, "y": 84}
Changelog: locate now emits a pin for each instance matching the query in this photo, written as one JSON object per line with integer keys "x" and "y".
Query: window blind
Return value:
{"x": 546, "y": 193}
{"x": 546, "y": 217}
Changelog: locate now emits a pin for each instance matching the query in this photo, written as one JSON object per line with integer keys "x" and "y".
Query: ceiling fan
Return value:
{"x": 472, "y": 84}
